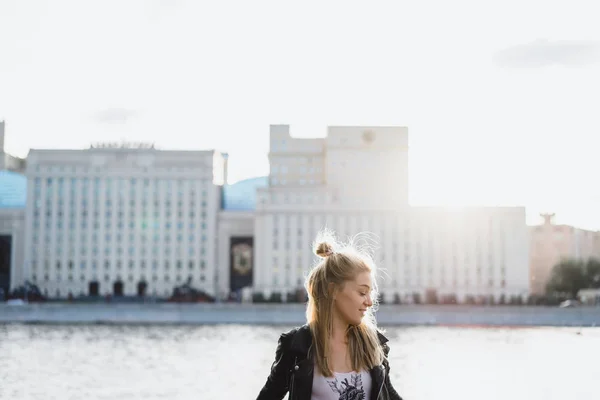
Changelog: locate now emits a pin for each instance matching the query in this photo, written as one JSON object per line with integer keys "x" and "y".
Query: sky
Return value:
{"x": 501, "y": 98}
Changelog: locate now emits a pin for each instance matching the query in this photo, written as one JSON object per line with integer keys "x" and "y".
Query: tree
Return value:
{"x": 592, "y": 273}
{"x": 568, "y": 276}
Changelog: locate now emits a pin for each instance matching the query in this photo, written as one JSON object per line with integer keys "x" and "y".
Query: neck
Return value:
{"x": 339, "y": 329}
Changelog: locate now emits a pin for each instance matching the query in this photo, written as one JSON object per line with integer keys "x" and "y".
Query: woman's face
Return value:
{"x": 353, "y": 300}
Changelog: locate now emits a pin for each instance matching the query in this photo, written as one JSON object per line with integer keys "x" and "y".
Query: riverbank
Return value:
{"x": 293, "y": 314}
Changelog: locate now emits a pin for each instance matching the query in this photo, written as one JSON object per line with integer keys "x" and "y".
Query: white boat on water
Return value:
{"x": 16, "y": 302}
{"x": 569, "y": 304}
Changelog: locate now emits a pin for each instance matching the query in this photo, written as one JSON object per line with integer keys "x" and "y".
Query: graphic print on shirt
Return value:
{"x": 348, "y": 391}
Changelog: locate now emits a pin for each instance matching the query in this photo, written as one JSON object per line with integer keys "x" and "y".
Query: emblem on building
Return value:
{"x": 242, "y": 258}
{"x": 369, "y": 136}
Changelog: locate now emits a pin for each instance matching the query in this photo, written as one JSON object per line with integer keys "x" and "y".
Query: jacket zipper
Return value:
{"x": 382, "y": 382}
{"x": 291, "y": 396}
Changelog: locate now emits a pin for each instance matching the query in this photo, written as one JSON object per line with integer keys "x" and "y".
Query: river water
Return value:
{"x": 95, "y": 361}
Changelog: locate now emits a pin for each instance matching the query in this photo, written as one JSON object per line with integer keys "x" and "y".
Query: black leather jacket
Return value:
{"x": 292, "y": 370}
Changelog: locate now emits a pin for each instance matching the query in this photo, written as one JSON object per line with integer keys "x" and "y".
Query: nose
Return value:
{"x": 369, "y": 301}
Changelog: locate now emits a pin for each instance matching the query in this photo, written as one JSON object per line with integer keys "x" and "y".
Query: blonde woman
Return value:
{"x": 339, "y": 354}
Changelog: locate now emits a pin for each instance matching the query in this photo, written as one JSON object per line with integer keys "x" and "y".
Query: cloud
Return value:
{"x": 544, "y": 53}
{"x": 114, "y": 115}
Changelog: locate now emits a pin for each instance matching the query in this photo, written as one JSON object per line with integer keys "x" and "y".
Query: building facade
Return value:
{"x": 356, "y": 180}
{"x": 550, "y": 243}
{"x": 130, "y": 219}
{"x": 13, "y": 190}
{"x": 122, "y": 219}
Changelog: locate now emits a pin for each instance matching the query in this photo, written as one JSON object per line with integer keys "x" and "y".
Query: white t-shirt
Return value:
{"x": 342, "y": 386}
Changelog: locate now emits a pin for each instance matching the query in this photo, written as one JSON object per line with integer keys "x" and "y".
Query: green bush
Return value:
{"x": 258, "y": 297}
{"x": 416, "y": 298}
{"x": 275, "y": 297}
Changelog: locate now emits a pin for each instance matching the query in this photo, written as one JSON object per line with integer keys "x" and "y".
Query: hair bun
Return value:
{"x": 324, "y": 249}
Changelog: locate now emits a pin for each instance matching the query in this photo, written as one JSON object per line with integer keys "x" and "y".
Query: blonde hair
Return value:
{"x": 340, "y": 263}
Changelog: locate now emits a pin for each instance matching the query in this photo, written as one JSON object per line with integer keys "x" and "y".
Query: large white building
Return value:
{"x": 356, "y": 180}
{"x": 136, "y": 220}
{"x": 122, "y": 219}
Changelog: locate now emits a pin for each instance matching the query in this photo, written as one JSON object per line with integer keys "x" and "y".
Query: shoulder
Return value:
{"x": 294, "y": 331}
{"x": 383, "y": 341}
{"x": 381, "y": 335}
{"x": 294, "y": 335}
{"x": 297, "y": 340}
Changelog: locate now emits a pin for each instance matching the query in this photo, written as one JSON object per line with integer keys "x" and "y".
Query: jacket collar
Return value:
{"x": 301, "y": 344}
{"x": 302, "y": 339}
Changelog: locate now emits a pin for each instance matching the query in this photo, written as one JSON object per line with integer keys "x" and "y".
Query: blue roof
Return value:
{"x": 241, "y": 196}
{"x": 13, "y": 190}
